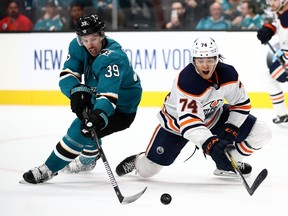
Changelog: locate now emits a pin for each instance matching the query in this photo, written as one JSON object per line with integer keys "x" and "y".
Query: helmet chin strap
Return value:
{"x": 279, "y": 8}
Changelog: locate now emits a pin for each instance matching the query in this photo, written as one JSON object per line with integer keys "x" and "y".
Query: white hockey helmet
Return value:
{"x": 205, "y": 47}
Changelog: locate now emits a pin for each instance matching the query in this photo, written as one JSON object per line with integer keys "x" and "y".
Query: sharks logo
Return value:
{"x": 68, "y": 57}
{"x": 106, "y": 52}
{"x": 211, "y": 107}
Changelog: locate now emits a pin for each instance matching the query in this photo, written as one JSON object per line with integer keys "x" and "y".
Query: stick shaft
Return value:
{"x": 281, "y": 61}
{"x": 121, "y": 198}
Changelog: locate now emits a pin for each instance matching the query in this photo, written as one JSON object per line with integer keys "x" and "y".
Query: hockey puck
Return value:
{"x": 165, "y": 198}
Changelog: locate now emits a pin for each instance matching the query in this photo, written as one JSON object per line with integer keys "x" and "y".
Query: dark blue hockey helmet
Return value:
{"x": 90, "y": 24}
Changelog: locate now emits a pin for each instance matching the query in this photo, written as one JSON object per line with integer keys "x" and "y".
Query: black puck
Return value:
{"x": 166, "y": 198}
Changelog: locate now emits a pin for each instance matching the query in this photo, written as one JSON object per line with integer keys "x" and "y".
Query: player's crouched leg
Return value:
{"x": 145, "y": 167}
{"x": 139, "y": 162}
{"x": 259, "y": 136}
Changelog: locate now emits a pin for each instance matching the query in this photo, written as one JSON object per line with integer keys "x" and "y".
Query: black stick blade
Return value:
{"x": 259, "y": 179}
{"x": 127, "y": 200}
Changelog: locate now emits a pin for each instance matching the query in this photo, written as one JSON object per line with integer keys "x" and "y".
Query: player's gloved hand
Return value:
{"x": 215, "y": 147}
{"x": 80, "y": 99}
{"x": 97, "y": 120}
{"x": 229, "y": 133}
{"x": 265, "y": 33}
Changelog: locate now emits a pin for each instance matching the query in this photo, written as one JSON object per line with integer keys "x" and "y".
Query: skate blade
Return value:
{"x": 23, "y": 182}
{"x": 282, "y": 125}
{"x": 228, "y": 174}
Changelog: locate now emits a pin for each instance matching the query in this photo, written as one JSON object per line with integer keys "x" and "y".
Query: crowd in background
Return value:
{"x": 61, "y": 15}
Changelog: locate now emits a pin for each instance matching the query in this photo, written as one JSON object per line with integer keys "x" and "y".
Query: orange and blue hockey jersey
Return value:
{"x": 194, "y": 104}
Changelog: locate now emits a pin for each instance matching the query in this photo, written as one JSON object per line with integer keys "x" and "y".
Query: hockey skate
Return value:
{"x": 245, "y": 168}
{"x": 281, "y": 119}
{"x": 77, "y": 166}
{"x": 39, "y": 175}
{"x": 127, "y": 165}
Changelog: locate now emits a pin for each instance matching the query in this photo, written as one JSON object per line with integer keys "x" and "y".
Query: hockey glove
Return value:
{"x": 97, "y": 120}
{"x": 215, "y": 147}
{"x": 230, "y": 133}
{"x": 265, "y": 33}
{"x": 80, "y": 99}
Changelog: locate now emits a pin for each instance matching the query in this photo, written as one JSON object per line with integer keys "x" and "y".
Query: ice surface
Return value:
{"x": 29, "y": 134}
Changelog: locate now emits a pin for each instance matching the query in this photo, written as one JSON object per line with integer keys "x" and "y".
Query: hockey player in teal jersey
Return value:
{"x": 195, "y": 111}
{"x": 97, "y": 76}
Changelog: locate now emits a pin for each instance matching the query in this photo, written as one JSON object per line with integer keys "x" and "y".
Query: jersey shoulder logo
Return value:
{"x": 105, "y": 52}
{"x": 68, "y": 57}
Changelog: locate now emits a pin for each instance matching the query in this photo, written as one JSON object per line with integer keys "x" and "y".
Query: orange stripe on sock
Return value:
{"x": 245, "y": 149}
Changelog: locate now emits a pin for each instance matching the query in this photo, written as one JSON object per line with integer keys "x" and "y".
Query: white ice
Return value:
{"x": 28, "y": 134}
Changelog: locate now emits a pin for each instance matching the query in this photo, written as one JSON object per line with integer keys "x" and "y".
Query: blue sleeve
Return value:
{"x": 72, "y": 71}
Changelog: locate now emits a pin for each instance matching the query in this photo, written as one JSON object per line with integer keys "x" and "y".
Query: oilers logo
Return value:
{"x": 211, "y": 107}
{"x": 160, "y": 150}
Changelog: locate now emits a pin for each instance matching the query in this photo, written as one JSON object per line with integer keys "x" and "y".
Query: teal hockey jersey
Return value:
{"x": 110, "y": 76}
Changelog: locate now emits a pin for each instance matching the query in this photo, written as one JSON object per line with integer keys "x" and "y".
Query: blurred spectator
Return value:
{"x": 76, "y": 10}
{"x": 51, "y": 20}
{"x": 158, "y": 10}
{"x": 195, "y": 10}
{"x": 215, "y": 21}
{"x": 15, "y": 20}
{"x": 203, "y": 8}
{"x": 139, "y": 14}
{"x": 104, "y": 11}
{"x": 232, "y": 12}
{"x": 178, "y": 18}
{"x": 251, "y": 19}
{"x": 225, "y": 5}
{"x": 191, "y": 12}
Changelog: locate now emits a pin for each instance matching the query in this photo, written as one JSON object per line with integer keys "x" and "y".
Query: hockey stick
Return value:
{"x": 259, "y": 179}
{"x": 122, "y": 199}
{"x": 281, "y": 61}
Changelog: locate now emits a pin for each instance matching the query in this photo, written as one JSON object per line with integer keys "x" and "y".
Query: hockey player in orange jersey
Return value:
{"x": 278, "y": 71}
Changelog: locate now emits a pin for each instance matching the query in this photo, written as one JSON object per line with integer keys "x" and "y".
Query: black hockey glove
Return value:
{"x": 230, "y": 133}
{"x": 215, "y": 147}
{"x": 80, "y": 99}
{"x": 97, "y": 120}
{"x": 265, "y": 33}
